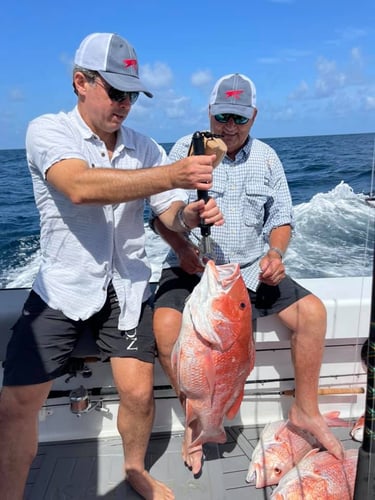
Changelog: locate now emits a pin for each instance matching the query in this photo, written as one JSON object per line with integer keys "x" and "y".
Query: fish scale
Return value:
{"x": 215, "y": 352}
{"x": 319, "y": 475}
{"x": 280, "y": 447}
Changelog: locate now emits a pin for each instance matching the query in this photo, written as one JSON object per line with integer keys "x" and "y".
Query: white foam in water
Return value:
{"x": 23, "y": 276}
{"x": 334, "y": 236}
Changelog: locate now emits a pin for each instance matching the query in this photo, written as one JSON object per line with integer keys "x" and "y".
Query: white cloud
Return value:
{"x": 329, "y": 77}
{"x": 176, "y": 108}
{"x": 301, "y": 92}
{"x": 156, "y": 76}
{"x": 201, "y": 78}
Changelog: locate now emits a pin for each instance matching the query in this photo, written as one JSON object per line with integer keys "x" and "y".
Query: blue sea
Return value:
{"x": 330, "y": 179}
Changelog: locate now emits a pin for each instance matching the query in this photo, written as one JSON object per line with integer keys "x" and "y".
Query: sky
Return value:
{"x": 312, "y": 62}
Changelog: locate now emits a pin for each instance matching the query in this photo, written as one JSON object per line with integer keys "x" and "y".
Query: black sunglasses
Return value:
{"x": 118, "y": 95}
{"x": 225, "y": 117}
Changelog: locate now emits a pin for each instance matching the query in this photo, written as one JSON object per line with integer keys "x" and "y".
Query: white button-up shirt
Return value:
{"x": 84, "y": 247}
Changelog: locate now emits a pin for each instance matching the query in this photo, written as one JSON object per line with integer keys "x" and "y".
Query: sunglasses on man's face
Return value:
{"x": 225, "y": 117}
{"x": 118, "y": 95}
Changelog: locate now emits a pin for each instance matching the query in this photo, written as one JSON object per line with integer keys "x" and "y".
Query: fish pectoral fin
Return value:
{"x": 210, "y": 336}
{"x": 282, "y": 428}
{"x": 232, "y": 412}
{"x": 189, "y": 412}
{"x": 210, "y": 372}
{"x": 333, "y": 419}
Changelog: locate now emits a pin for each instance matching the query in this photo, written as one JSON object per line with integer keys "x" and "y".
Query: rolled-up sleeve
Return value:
{"x": 278, "y": 209}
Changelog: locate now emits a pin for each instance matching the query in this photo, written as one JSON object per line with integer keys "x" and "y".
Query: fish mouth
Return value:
{"x": 225, "y": 274}
{"x": 255, "y": 476}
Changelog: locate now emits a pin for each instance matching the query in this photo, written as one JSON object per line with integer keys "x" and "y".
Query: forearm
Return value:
{"x": 175, "y": 239}
{"x": 279, "y": 238}
{"x": 82, "y": 184}
{"x": 108, "y": 185}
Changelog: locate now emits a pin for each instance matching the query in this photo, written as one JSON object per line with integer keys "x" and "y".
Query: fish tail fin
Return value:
{"x": 210, "y": 436}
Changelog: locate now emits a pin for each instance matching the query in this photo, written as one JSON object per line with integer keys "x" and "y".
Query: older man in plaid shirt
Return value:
{"x": 251, "y": 189}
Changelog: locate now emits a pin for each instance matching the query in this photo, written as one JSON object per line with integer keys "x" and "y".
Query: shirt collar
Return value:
{"x": 84, "y": 129}
{"x": 243, "y": 153}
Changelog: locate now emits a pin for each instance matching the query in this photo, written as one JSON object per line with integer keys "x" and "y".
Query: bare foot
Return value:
{"x": 318, "y": 427}
{"x": 148, "y": 487}
{"x": 192, "y": 456}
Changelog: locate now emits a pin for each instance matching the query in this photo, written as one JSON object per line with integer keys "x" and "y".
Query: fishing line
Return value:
{"x": 365, "y": 475}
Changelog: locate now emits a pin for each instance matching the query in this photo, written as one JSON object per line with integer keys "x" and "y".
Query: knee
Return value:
{"x": 16, "y": 405}
{"x": 306, "y": 315}
{"x": 312, "y": 317}
{"x": 315, "y": 310}
{"x": 166, "y": 325}
{"x": 137, "y": 395}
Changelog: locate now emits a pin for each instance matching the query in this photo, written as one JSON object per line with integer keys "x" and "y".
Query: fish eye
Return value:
{"x": 242, "y": 305}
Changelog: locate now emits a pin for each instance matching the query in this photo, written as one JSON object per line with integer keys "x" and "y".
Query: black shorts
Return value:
{"x": 43, "y": 339}
{"x": 176, "y": 285}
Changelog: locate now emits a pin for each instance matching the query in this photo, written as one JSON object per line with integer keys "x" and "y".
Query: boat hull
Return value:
{"x": 348, "y": 303}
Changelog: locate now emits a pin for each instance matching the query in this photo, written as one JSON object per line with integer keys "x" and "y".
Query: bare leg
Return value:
{"x": 167, "y": 325}
{"x": 19, "y": 407}
{"x": 134, "y": 381}
{"x": 307, "y": 320}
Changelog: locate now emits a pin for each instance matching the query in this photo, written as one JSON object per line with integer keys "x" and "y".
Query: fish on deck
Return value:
{"x": 280, "y": 447}
{"x": 358, "y": 429}
{"x": 215, "y": 352}
{"x": 319, "y": 475}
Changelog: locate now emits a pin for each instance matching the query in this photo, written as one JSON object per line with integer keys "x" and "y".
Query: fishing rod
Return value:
{"x": 199, "y": 149}
{"x": 364, "y": 488}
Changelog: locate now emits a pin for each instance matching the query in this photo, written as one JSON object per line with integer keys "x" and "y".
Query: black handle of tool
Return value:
{"x": 198, "y": 149}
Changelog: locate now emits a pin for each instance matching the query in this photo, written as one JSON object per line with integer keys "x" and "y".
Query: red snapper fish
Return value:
{"x": 319, "y": 475}
{"x": 214, "y": 352}
{"x": 358, "y": 429}
{"x": 280, "y": 447}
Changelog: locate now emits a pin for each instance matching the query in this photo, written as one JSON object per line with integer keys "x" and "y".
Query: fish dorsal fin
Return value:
{"x": 312, "y": 452}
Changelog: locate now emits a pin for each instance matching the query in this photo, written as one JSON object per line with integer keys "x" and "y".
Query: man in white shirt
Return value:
{"x": 90, "y": 177}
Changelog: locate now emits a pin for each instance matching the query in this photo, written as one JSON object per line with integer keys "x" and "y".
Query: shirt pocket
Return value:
{"x": 218, "y": 188}
{"x": 256, "y": 198}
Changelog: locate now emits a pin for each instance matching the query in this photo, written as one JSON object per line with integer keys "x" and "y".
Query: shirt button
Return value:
{"x": 103, "y": 154}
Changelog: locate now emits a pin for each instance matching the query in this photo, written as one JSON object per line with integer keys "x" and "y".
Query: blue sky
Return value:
{"x": 312, "y": 61}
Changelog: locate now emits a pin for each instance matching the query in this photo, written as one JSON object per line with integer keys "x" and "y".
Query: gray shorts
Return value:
{"x": 43, "y": 339}
{"x": 175, "y": 286}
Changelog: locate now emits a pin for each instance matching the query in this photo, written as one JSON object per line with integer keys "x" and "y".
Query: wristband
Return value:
{"x": 181, "y": 221}
{"x": 278, "y": 251}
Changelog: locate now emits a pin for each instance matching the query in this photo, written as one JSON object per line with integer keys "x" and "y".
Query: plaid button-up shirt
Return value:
{"x": 253, "y": 195}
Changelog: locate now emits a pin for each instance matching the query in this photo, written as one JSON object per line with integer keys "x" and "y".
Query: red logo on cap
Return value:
{"x": 130, "y": 62}
{"x": 234, "y": 93}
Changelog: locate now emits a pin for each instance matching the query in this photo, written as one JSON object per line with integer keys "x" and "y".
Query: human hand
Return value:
{"x": 197, "y": 211}
{"x": 190, "y": 260}
{"x": 272, "y": 269}
{"x": 193, "y": 172}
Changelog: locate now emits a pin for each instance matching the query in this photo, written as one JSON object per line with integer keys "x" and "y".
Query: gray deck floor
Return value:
{"x": 87, "y": 470}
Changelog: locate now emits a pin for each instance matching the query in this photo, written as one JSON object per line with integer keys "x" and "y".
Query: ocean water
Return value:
{"x": 330, "y": 179}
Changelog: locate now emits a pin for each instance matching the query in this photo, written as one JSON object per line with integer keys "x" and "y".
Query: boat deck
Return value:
{"x": 92, "y": 469}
